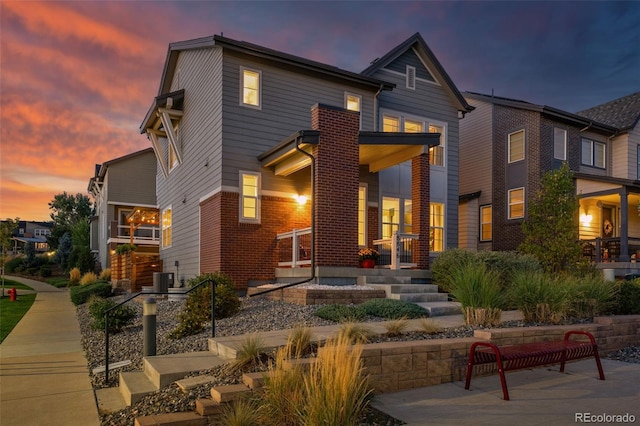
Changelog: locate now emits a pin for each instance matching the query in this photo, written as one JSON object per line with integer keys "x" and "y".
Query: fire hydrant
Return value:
{"x": 13, "y": 294}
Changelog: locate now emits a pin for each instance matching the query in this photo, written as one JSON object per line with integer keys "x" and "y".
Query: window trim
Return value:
{"x": 564, "y": 144}
{"x": 346, "y": 103}
{"x": 432, "y": 227}
{"x": 510, "y": 204}
{"x": 524, "y": 144}
{"x": 163, "y": 227}
{"x": 592, "y": 153}
{"x": 482, "y": 237}
{"x": 242, "y": 86}
{"x": 241, "y": 217}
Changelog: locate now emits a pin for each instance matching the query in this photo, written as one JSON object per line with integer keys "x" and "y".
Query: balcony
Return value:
{"x": 142, "y": 235}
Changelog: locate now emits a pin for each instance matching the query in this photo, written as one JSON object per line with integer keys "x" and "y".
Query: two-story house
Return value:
{"x": 505, "y": 147}
{"x": 31, "y": 232}
{"x": 267, "y": 159}
{"x": 124, "y": 190}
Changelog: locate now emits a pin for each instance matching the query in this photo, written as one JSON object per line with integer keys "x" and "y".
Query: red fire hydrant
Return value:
{"x": 13, "y": 294}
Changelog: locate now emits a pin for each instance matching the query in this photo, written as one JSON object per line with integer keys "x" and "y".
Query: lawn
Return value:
{"x": 12, "y": 312}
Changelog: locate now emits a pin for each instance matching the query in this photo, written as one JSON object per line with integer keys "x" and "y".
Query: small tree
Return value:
{"x": 551, "y": 227}
{"x": 64, "y": 250}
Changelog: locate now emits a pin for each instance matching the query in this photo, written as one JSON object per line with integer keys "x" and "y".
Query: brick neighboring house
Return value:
{"x": 505, "y": 147}
{"x": 120, "y": 187}
{"x": 244, "y": 134}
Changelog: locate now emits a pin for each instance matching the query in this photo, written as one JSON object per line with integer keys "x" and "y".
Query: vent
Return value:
{"x": 411, "y": 77}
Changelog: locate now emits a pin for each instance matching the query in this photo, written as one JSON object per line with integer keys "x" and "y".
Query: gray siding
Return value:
{"x": 132, "y": 181}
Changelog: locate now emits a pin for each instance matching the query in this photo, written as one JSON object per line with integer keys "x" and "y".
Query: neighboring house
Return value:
{"x": 123, "y": 189}
{"x": 505, "y": 147}
{"x": 32, "y": 232}
{"x": 244, "y": 134}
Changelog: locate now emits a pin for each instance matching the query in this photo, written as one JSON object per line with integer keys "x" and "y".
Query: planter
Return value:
{"x": 368, "y": 263}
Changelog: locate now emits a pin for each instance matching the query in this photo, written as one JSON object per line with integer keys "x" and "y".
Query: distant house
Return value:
{"x": 507, "y": 144}
{"x": 268, "y": 161}
{"x": 31, "y": 232}
{"x": 120, "y": 188}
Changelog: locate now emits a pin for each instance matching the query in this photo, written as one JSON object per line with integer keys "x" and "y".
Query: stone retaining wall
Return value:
{"x": 310, "y": 296}
{"x": 394, "y": 366}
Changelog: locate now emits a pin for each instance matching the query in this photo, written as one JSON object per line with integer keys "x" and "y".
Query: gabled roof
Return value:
{"x": 101, "y": 169}
{"x": 416, "y": 41}
{"x": 264, "y": 53}
{"x": 556, "y": 114}
{"x": 623, "y": 113}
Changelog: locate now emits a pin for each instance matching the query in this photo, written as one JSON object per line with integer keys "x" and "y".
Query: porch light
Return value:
{"x": 585, "y": 219}
{"x": 301, "y": 199}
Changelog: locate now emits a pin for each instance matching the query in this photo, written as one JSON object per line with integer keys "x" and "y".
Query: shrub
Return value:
{"x": 539, "y": 297}
{"x": 80, "y": 294}
{"x": 628, "y": 298}
{"x": 126, "y": 248}
{"x": 74, "y": 276}
{"x": 197, "y": 310}
{"x": 447, "y": 263}
{"x": 119, "y": 317}
{"x": 341, "y": 313}
{"x": 105, "y": 275}
{"x": 88, "y": 278}
{"x": 507, "y": 263}
{"x": 45, "y": 271}
{"x": 479, "y": 292}
{"x": 14, "y": 264}
{"x": 590, "y": 296}
{"x": 393, "y": 309}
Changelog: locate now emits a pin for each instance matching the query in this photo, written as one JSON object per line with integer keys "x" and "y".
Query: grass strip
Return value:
{"x": 12, "y": 312}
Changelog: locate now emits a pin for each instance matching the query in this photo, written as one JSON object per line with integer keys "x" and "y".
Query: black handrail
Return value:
{"x": 133, "y": 296}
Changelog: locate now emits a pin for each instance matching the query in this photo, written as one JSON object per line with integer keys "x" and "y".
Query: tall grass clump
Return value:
{"x": 250, "y": 354}
{"x": 74, "y": 277}
{"x": 540, "y": 297}
{"x": 336, "y": 388}
{"x": 590, "y": 296}
{"x": 243, "y": 412}
{"x": 88, "y": 278}
{"x": 396, "y": 327}
{"x": 478, "y": 290}
{"x": 429, "y": 326}
{"x": 105, "y": 275}
{"x": 354, "y": 332}
{"x": 300, "y": 340}
{"x": 447, "y": 263}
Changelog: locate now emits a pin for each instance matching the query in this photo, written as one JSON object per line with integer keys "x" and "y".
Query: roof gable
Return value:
{"x": 426, "y": 56}
{"x": 410, "y": 58}
{"x": 623, "y": 113}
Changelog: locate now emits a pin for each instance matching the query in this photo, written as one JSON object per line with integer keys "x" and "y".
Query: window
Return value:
{"x": 486, "y": 223}
{"x": 516, "y": 146}
{"x": 408, "y": 217}
{"x": 411, "y": 77}
{"x": 251, "y": 88}
{"x": 390, "y": 124}
{"x": 437, "y": 227}
{"x": 390, "y": 216}
{"x": 42, "y": 232}
{"x": 166, "y": 227}
{"x": 411, "y": 126}
{"x": 436, "y": 153}
{"x": 362, "y": 215}
{"x": 559, "y": 144}
{"x": 250, "y": 197}
{"x": 516, "y": 203}
{"x": 353, "y": 103}
{"x": 593, "y": 153}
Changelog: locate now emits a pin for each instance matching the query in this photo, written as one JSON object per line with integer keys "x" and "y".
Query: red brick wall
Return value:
{"x": 336, "y": 186}
{"x": 420, "y": 190}
{"x": 372, "y": 225}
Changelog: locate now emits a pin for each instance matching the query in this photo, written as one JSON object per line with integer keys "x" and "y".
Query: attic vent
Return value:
{"x": 411, "y": 77}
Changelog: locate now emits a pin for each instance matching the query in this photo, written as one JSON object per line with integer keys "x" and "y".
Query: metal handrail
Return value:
{"x": 133, "y": 296}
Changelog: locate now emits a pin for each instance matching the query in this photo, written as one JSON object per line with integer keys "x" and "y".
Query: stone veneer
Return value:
{"x": 394, "y": 366}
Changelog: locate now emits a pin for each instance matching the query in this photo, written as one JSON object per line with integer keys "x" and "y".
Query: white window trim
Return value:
{"x": 524, "y": 146}
{"x": 411, "y": 77}
{"x": 431, "y": 227}
{"x": 564, "y": 153}
{"x": 355, "y": 95}
{"x": 487, "y": 206}
{"x": 241, "y": 97}
{"x": 366, "y": 213}
{"x": 162, "y": 227}
{"x": 509, "y": 203}
{"x": 241, "y": 217}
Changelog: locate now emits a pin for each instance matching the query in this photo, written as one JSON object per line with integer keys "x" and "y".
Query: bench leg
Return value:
{"x": 598, "y": 363}
{"x": 470, "y": 367}
{"x": 503, "y": 380}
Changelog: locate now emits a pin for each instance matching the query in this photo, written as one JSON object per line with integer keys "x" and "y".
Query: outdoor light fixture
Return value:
{"x": 301, "y": 199}
{"x": 585, "y": 219}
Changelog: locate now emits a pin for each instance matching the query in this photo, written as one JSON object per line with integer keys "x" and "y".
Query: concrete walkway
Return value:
{"x": 44, "y": 378}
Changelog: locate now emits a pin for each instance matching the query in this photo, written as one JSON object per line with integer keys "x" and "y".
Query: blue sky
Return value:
{"x": 76, "y": 78}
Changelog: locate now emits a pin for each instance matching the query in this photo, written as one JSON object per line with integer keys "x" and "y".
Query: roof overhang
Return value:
{"x": 286, "y": 158}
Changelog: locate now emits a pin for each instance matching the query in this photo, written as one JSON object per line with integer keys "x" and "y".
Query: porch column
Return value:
{"x": 336, "y": 182}
{"x": 420, "y": 208}
{"x": 624, "y": 226}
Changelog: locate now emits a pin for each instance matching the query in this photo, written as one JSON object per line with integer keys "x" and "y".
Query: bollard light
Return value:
{"x": 149, "y": 312}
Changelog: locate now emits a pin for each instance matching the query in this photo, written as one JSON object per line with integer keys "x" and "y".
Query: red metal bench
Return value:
{"x": 532, "y": 355}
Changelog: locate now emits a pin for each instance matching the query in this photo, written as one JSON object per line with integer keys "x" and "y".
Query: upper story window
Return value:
{"x": 411, "y": 77}
{"x": 436, "y": 153}
{"x": 593, "y": 153}
{"x": 559, "y": 144}
{"x": 390, "y": 123}
{"x": 486, "y": 223}
{"x": 167, "y": 225}
{"x": 251, "y": 87}
{"x": 411, "y": 126}
{"x": 249, "y": 197}
{"x": 353, "y": 102}
{"x": 516, "y": 146}
{"x": 516, "y": 203}
{"x": 42, "y": 232}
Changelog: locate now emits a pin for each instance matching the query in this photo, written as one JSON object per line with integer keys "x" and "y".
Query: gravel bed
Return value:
{"x": 256, "y": 315}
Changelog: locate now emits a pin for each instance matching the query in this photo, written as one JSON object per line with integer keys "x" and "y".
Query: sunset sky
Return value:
{"x": 76, "y": 78}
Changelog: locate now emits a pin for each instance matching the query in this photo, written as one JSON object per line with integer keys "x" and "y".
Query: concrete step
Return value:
{"x": 437, "y": 309}
{"x": 134, "y": 385}
{"x": 208, "y": 407}
{"x": 228, "y": 393}
{"x": 420, "y": 297}
{"x": 254, "y": 380}
{"x": 391, "y": 289}
{"x": 110, "y": 400}
{"x": 172, "y": 419}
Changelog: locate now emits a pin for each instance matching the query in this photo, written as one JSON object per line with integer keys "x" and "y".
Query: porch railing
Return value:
{"x": 608, "y": 249}
{"x": 396, "y": 252}
{"x": 141, "y": 235}
{"x": 294, "y": 248}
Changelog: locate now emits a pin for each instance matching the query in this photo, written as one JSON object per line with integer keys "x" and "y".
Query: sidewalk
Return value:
{"x": 44, "y": 379}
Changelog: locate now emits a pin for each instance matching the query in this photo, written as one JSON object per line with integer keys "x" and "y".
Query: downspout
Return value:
{"x": 313, "y": 227}
{"x": 375, "y": 109}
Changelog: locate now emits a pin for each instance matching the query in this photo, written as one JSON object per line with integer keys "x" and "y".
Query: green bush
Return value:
{"x": 540, "y": 297}
{"x": 590, "y": 296}
{"x": 628, "y": 298}
{"x": 119, "y": 317}
{"x": 341, "y": 313}
{"x": 197, "y": 310}
{"x": 80, "y": 294}
{"x": 447, "y": 263}
{"x": 126, "y": 248}
{"x": 14, "y": 265}
{"x": 393, "y": 309}
{"x": 45, "y": 271}
{"x": 478, "y": 290}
